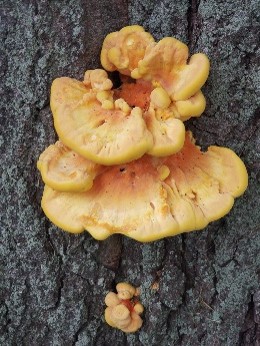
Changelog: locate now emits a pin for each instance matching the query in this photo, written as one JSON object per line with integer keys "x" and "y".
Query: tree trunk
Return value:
{"x": 200, "y": 288}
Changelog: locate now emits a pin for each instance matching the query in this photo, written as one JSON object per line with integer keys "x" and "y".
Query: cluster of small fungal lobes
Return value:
{"x": 123, "y": 309}
{"x": 124, "y": 162}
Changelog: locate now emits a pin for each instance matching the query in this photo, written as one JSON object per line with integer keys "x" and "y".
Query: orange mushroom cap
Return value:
{"x": 168, "y": 133}
{"x": 151, "y": 198}
{"x": 107, "y": 130}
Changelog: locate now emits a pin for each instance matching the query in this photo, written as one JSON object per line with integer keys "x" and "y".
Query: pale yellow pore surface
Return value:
{"x": 64, "y": 170}
{"x": 104, "y": 136}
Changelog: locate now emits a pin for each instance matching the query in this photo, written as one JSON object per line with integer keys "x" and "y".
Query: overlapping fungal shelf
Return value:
{"x": 124, "y": 162}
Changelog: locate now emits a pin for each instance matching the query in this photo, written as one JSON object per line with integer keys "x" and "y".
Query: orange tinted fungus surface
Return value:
{"x": 106, "y": 129}
{"x": 135, "y": 94}
{"x": 128, "y": 303}
{"x": 151, "y": 198}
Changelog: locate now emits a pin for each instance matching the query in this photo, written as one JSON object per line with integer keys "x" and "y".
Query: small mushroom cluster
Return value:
{"x": 124, "y": 162}
{"x": 123, "y": 309}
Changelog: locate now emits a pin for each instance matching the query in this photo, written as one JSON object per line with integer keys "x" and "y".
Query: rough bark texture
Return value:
{"x": 200, "y": 288}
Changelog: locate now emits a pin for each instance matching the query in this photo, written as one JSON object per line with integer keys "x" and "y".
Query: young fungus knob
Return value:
{"x": 121, "y": 313}
{"x": 125, "y": 290}
{"x": 138, "y": 308}
{"x": 98, "y": 80}
{"x": 112, "y": 299}
{"x": 160, "y": 98}
{"x": 123, "y": 310}
{"x": 136, "y": 323}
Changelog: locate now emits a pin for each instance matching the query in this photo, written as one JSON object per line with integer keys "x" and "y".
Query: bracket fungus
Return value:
{"x": 123, "y": 162}
{"x": 123, "y": 309}
{"x": 151, "y": 198}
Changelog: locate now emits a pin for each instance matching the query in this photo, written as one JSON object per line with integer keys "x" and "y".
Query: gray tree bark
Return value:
{"x": 200, "y": 288}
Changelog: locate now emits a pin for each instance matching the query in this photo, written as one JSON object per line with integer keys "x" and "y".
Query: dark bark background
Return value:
{"x": 200, "y": 288}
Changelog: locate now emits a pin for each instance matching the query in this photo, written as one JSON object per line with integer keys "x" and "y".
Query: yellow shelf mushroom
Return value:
{"x": 122, "y": 50}
{"x": 151, "y": 198}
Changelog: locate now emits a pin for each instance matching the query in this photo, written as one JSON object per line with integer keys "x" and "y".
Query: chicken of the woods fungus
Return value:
{"x": 123, "y": 308}
{"x": 123, "y": 162}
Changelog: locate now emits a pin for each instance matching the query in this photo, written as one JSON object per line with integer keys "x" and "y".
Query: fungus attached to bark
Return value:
{"x": 166, "y": 64}
{"x": 123, "y": 309}
{"x": 151, "y": 198}
{"x": 124, "y": 163}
